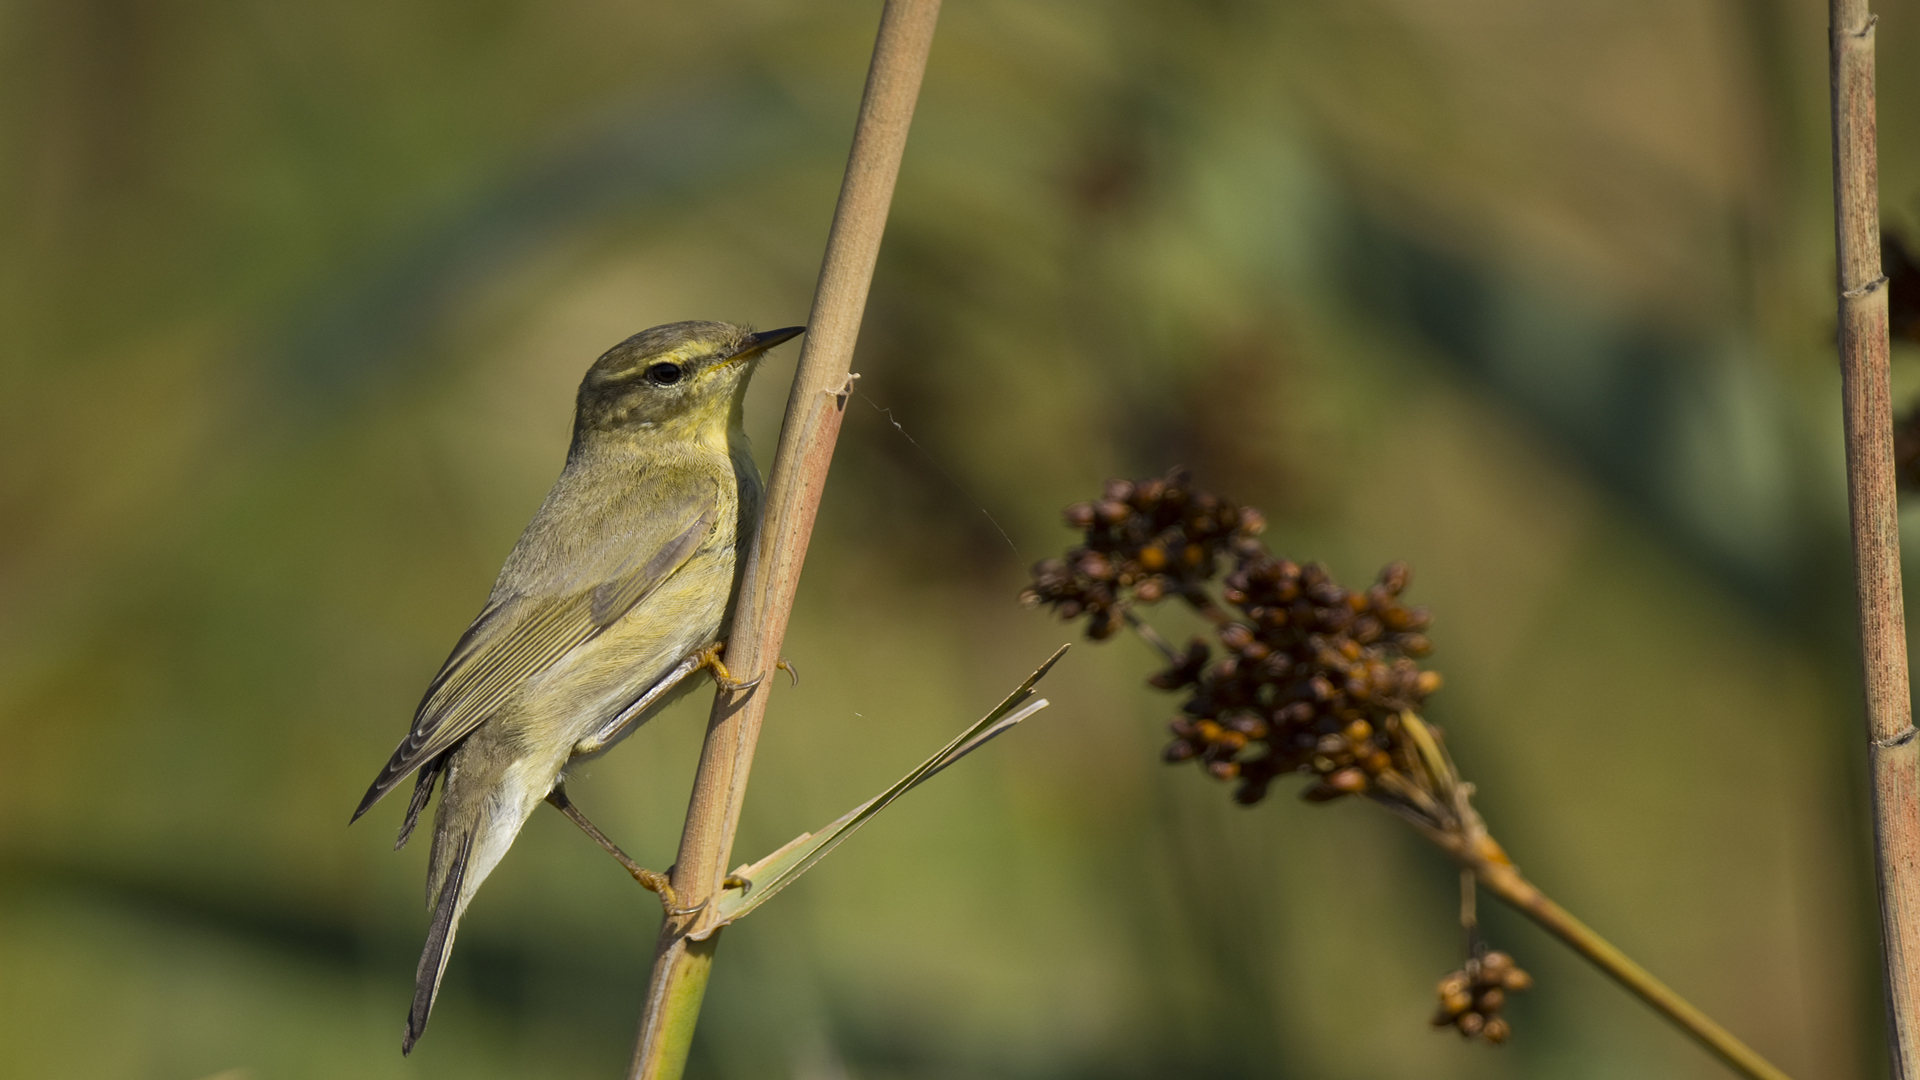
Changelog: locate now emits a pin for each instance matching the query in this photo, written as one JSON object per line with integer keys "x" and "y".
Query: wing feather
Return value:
{"x": 519, "y": 635}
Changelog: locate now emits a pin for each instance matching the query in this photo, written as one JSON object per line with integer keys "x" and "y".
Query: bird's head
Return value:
{"x": 683, "y": 379}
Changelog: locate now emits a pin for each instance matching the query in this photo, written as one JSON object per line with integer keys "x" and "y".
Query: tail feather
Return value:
{"x": 433, "y": 959}
{"x": 422, "y": 791}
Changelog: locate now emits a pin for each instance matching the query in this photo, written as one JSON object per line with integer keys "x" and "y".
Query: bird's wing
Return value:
{"x": 520, "y": 635}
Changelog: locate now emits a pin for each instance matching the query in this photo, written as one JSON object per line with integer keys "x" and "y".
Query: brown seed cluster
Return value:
{"x": 1471, "y": 998}
{"x": 1314, "y": 680}
{"x": 1309, "y": 677}
{"x": 1144, "y": 542}
{"x": 1313, "y": 676}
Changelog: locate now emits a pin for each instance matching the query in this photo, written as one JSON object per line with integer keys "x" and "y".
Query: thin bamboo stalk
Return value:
{"x": 1893, "y": 753}
{"x": 683, "y": 955}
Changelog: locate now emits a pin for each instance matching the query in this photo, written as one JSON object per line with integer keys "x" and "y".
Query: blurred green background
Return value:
{"x": 1536, "y": 297}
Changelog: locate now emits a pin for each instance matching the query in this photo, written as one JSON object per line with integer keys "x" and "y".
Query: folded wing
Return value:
{"x": 519, "y": 635}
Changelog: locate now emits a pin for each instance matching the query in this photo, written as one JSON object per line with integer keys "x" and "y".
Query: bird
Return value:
{"x": 615, "y": 595}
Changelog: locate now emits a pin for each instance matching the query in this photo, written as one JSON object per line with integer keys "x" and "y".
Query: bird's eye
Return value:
{"x": 664, "y": 374}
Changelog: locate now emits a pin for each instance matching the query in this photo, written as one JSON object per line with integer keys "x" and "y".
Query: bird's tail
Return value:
{"x": 447, "y": 907}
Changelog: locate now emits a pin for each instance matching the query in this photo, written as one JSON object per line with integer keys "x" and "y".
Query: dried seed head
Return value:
{"x": 1312, "y": 677}
{"x": 1142, "y": 542}
{"x": 1493, "y": 966}
{"x": 1304, "y": 656}
{"x": 1347, "y": 781}
{"x": 1471, "y": 999}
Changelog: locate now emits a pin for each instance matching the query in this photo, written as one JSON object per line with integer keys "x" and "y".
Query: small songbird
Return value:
{"x": 615, "y": 594}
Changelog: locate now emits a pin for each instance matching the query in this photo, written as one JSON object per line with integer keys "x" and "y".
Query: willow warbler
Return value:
{"x": 615, "y": 594}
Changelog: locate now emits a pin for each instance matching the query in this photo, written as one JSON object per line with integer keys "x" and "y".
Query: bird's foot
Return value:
{"x": 709, "y": 658}
{"x": 660, "y": 885}
{"x": 735, "y": 881}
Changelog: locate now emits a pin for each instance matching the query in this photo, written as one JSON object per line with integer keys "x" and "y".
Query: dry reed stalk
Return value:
{"x": 684, "y": 953}
{"x": 1893, "y": 751}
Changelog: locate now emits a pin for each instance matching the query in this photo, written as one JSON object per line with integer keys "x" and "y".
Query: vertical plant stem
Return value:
{"x": 683, "y": 956}
{"x": 1893, "y": 752}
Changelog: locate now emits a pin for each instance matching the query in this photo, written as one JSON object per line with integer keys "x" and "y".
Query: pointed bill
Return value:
{"x": 755, "y": 344}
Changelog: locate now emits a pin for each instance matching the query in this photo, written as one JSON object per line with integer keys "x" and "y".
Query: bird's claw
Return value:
{"x": 682, "y": 912}
{"x": 709, "y": 658}
{"x": 735, "y": 881}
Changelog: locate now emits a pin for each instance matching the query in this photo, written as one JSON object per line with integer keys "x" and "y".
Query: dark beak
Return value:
{"x": 759, "y": 343}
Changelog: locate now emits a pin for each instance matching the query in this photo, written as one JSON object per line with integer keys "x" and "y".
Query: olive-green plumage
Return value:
{"x": 622, "y": 577}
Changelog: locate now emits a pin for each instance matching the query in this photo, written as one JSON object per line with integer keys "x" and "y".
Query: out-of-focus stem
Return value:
{"x": 1866, "y": 392}
{"x": 684, "y": 953}
{"x": 1481, "y": 855}
{"x": 1151, "y": 636}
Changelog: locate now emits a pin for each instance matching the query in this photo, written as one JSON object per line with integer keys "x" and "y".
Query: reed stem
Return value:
{"x": 683, "y": 956}
{"x": 1893, "y": 752}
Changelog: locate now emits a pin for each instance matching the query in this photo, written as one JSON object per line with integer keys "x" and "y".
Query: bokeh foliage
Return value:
{"x": 1536, "y": 298}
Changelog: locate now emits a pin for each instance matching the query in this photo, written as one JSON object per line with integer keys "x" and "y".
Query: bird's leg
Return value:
{"x": 600, "y": 740}
{"x": 652, "y": 881}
